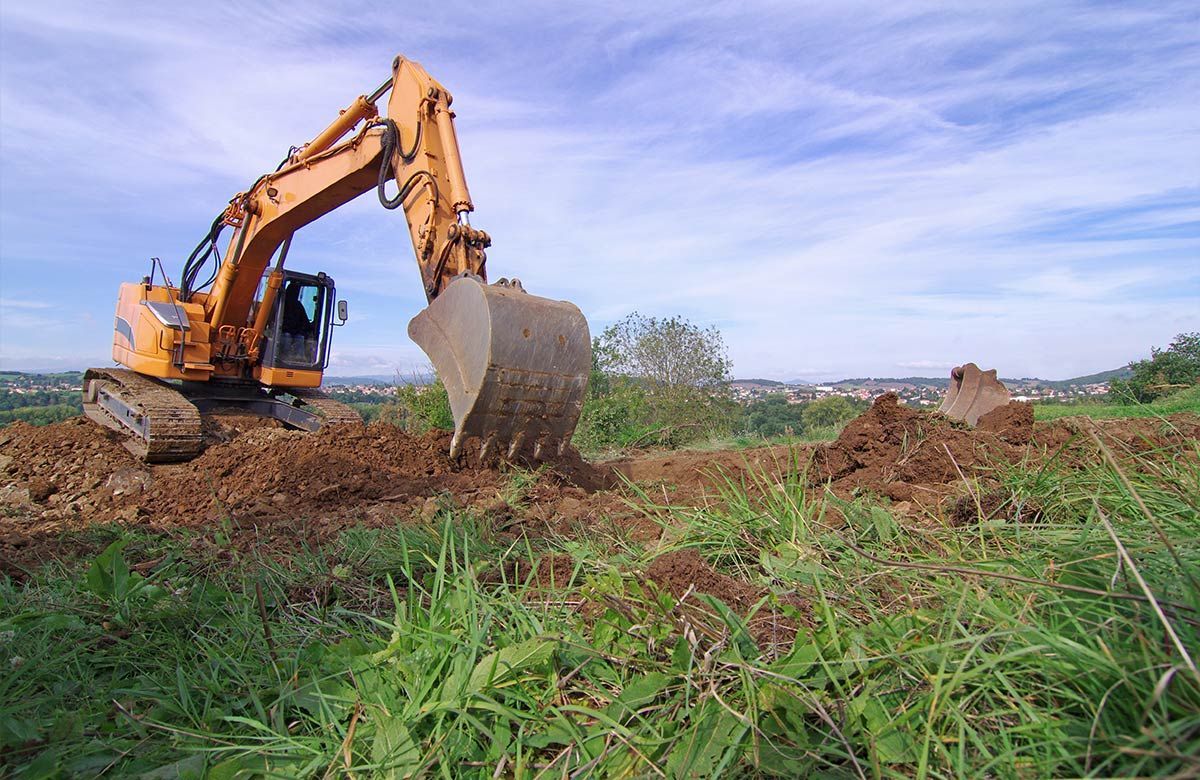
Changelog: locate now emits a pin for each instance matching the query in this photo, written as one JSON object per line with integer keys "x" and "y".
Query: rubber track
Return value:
{"x": 333, "y": 412}
{"x": 173, "y": 432}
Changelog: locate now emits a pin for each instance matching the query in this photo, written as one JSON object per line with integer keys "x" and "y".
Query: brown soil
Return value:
{"x": 264, "y": 484}
{"x": 1012, "y": 422}
{"x": 258, "y": 484}
{"x": 905, "y": 454}
{"x": 681, "y": 571}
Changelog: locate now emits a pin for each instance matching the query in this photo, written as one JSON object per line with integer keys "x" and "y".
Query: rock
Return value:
{"x": 40, "y": 489}
{"x": 569, "y": 506}
{"x": 128, "y": 481}
{"x": 5, "y": 462}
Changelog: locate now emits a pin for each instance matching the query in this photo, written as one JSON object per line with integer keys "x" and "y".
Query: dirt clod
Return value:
{"x": 681, "y": 571}
{"x": 1012, "y": 422}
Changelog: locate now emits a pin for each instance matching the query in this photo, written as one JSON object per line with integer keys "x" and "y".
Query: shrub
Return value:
{"x": 1167, "y": 371}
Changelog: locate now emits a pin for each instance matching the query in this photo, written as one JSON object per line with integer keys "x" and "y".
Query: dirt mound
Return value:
{"x": 896, "y": 451}
{"x": 222, "y": 428}
{"x": 1012, "y": 422}
{"x": 256, "y": 477}
{"x": 54, "y": 465}
{"x": 679, "y": 571}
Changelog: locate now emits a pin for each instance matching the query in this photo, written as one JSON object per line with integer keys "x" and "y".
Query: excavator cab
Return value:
{"x": 298, "y": 331}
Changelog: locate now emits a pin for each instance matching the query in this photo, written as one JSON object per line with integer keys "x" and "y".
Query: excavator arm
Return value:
{"x": 413, "y": 144}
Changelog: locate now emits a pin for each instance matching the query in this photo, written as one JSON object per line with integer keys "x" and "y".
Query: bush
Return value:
{"x": 656, "y": 381}
{"x": 419, "y": 408}
{"x": 827, "y": 412}
{"x": 1167, "y": 371}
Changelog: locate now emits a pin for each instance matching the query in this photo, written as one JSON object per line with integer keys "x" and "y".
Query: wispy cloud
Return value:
{"x": 847, "y": 188}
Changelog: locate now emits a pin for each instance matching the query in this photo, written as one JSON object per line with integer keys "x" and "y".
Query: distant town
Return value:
{"x": 919, "y": 391}
{"x": 43, "y": 398}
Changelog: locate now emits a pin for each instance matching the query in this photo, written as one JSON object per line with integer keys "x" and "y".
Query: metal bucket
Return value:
{"x": 973, "y": 393}
{"x": 514, "y": 365}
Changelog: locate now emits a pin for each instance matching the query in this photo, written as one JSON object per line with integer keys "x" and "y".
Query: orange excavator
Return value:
{"x": 243, "y": 331}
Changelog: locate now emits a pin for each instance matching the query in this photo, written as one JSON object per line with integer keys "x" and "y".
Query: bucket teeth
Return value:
{"x": 515, "y": 366}
{"x": 485, "y": 449}
{"x": 515, "y": 445}
{"x": 973, "y": 393}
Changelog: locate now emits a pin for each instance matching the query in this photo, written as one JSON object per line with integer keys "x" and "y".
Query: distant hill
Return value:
{"x": 756, "y": 383}
{"x": 915, "y": 381}
{"x": 925, "y": 381}
{"x": 1090, "y": 379}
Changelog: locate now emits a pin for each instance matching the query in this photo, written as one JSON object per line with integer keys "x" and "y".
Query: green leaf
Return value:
{"x": 238, "y": 768}
{"x": 704, "y": 746}
{"x": 682, "y": 656}
{"x": 743, "y": 642}
{"x": 638, "y": 694}
{"x": 393, "y": 752}
{"x": 505, "y": 665}
{"x": 190, "y": 768}
{"x": 108, "y": 575}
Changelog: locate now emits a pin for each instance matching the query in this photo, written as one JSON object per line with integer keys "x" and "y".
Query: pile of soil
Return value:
{"x": 906, "y": 454}
{"x": 258, "y": 479}
{"x": 679, "y": 571}
{"x": 257, "y": 482}
{"x": 1012, "y": 422}
{"x": 55, "y": 466}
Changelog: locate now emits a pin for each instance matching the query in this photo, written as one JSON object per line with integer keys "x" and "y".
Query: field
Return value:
{"x": 1185, "y": 401}
{"x": 912, "y": 599}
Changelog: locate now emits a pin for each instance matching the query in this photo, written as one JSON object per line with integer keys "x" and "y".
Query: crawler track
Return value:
{"x": 159, "y": 423}
{"x": 333, "y": 412}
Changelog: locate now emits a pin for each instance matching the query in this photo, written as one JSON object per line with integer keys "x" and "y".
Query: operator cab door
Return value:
{"x": 297, "y": 335}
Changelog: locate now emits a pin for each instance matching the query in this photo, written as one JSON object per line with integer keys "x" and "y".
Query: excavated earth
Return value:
{"x": 259, "y": 485}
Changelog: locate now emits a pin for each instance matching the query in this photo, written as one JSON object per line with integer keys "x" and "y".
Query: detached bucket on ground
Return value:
{"x": 973, "y": 393}
{"x": 514, "y": 365}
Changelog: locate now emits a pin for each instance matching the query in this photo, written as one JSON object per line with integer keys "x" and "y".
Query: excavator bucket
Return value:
{"x": 514, "y": 365}
{"x": 973, "y": 393}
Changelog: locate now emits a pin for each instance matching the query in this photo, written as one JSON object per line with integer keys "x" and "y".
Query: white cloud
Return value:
{"x": 838, "y": 187}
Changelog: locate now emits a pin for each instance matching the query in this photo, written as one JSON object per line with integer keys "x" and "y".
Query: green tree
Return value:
{"x": 665, "y": 353}
{"x": 419, "y": 408}
{"x": 654, "y": 380}
{"x": 774, "y": 416}
{"x": 828, "y": 411}
{"x": 1166, "y": 371}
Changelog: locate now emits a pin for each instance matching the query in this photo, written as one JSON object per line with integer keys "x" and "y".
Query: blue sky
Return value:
{"x": 842, "y": 188}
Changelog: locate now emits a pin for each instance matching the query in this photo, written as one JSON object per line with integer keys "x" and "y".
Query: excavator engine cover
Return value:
{"x": 514, "y": 365}
{"x": 973, "y": 393}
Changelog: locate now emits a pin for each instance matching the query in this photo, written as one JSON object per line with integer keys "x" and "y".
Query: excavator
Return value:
{"x": 242, "y": 331}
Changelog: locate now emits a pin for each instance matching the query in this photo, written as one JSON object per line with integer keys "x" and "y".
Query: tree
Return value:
{"x": 774, "y": 416}
{"x": 1167, "y": 371}
{"x": 671, "y": 353}
{"x": 654, "y": 380}
{"x": 828, "y": 411}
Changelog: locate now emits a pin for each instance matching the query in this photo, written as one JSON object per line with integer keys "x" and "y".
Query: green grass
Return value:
{"x": 405, "y": 651}
{"x": 1183, "y": 401}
